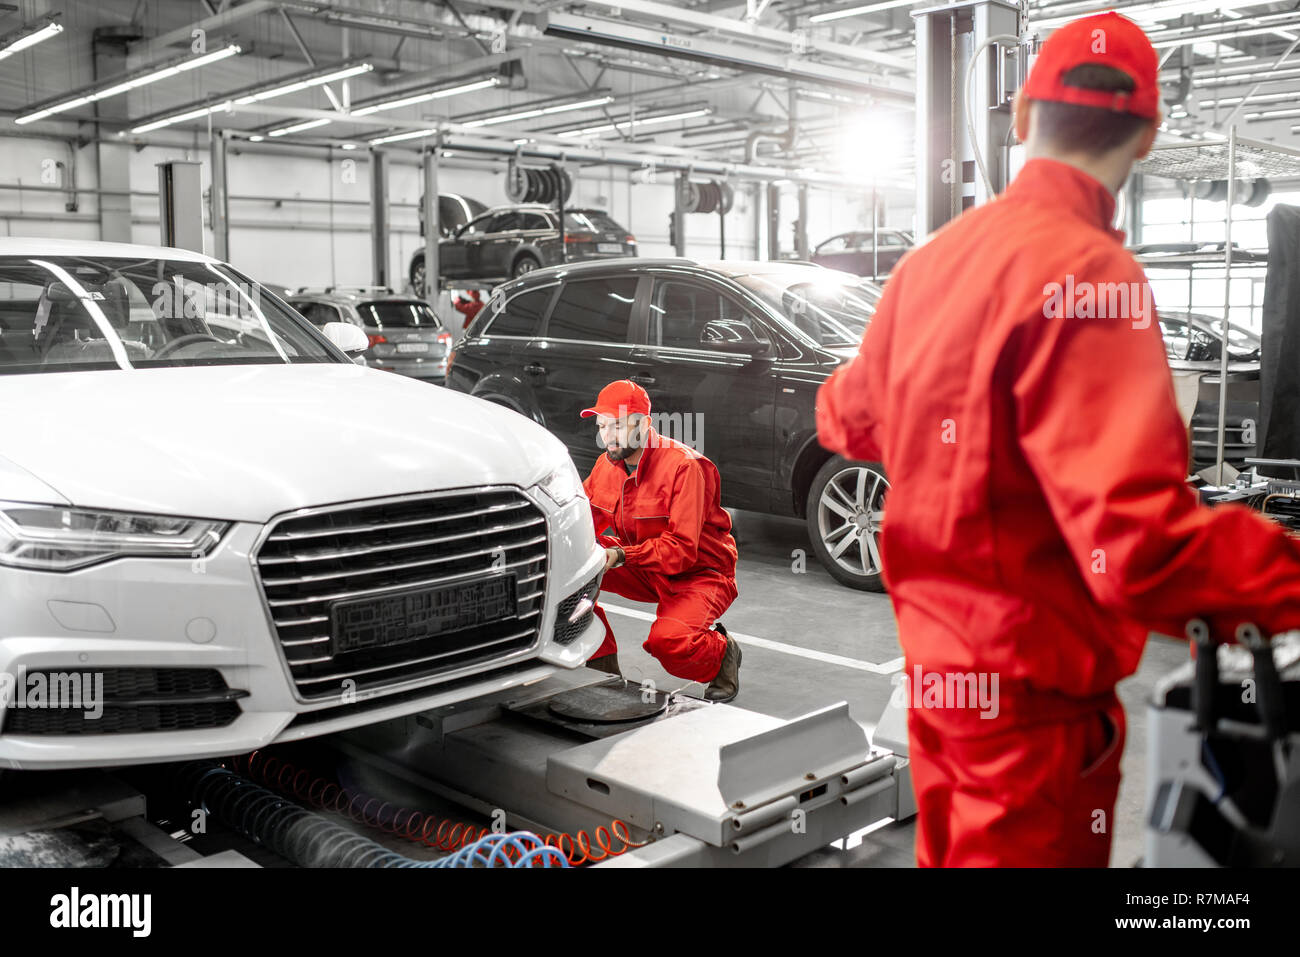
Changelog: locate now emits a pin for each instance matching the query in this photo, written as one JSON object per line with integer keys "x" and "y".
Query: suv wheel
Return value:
{"x": 845, "y": 513}
{"x": 524, "y": 264}
{"x": 417, "y": 276}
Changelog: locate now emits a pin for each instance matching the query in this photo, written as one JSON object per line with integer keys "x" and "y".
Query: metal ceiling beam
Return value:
{"x": 750, "y": 31}
{"x": 211, "y": 24}
{"x": 729, "y": 55}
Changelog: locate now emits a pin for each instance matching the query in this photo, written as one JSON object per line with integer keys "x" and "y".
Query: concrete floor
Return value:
{"x": 821, "y": 643}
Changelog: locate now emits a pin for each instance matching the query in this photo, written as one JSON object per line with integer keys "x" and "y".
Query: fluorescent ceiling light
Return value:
{"x": 251, "y": 95}
{"x": 539, "y": 111}
{"x": 303, "y": 84}
{"x": 830, "y": 15}
{"x": 29, "y": 37}
{"x": 298, "y": 127}
{"x": 399, "y": 137}
{"x": 639, "y": 121}
{"x": 427, "y": 95}
{"x": 132, "y": 81}
{"x": 182, "y": 117}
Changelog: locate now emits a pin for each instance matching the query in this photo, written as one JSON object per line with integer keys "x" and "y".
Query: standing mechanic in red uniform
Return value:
{"x": 671, "y": 542}
{"x": 1039, "y": 524}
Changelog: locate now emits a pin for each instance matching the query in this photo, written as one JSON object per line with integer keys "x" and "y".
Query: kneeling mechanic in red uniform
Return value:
{"x": 656, "y": 506}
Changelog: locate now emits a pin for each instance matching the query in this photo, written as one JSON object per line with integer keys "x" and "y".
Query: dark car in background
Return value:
{"x": 854, "y": 251}
{"x": 508, "y": 241}
{"x": 731, "y": 354}
{"x": 406, "y": 336}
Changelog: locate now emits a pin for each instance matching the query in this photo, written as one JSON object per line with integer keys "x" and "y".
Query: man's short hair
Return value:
{"x": 1070, "y": 128}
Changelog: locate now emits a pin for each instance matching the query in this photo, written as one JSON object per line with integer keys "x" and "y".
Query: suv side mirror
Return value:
{"x": 737, "y": 337}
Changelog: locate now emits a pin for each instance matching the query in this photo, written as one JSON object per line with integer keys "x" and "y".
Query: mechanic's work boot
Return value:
{"x": 726, "y": 685}
{"x": 608, "y": 663}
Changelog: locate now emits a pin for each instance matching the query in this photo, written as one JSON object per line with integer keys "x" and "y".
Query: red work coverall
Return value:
{"x": 667, "y": 519}
{"x": 1038, "y": 523}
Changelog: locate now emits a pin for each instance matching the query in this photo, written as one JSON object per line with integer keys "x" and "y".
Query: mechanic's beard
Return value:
{"x": 621, "y": 455}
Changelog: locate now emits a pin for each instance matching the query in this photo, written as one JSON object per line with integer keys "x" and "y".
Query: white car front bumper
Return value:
{"x": 210, "y": 614}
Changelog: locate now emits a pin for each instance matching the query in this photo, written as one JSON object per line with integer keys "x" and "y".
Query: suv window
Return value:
{"x": 594, "y": 310}
{"x": 535, "y": 221}
{"x": 477, "y": 227}
{"x": 837, "y": 245}
{"x": 407, "y": 315}
{"x": 679, "y": 312}
{"x": 522, "y": 315}
{"x": 318, "y": 313}
{"x": 505, "y": 222}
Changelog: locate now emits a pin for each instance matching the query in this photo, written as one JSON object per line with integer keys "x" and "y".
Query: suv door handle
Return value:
{"x": 535, "y": 368}
{"x": 643, "y": 379}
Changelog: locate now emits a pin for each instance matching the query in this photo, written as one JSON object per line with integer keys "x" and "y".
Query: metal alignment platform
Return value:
{"x": 690, "y": 783}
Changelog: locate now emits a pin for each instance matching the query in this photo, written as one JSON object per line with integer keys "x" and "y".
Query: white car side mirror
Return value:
{"x": 346, "y": 336}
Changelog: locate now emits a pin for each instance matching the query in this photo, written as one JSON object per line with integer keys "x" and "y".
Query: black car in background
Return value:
{"x": 508, "y": 241}
{"x": 855, "y": 252}
{"x": 731, "y": 354}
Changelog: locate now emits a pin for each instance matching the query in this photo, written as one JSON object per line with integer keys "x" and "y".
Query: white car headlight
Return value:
{"x": 54, "y": 539}
{"x": 563, "y": 485}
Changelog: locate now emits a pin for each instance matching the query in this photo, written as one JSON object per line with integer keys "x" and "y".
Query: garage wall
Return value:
{"x": 304, "y": 220}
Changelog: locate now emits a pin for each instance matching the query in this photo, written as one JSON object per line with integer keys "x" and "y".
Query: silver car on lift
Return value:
{"x": 405, "y": 334}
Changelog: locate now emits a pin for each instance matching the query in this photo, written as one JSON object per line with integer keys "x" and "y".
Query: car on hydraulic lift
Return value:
{"x": 404, "y": 334}
{"x": 237, "y": 536}
{"x": 731, "y": 353}
{"x": 509, "y": 241}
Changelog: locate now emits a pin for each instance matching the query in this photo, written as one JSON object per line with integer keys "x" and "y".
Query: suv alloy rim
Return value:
{"x": 850, "y": 515}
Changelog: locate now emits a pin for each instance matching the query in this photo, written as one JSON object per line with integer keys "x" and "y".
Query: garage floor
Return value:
{"x": 842, "y": 645}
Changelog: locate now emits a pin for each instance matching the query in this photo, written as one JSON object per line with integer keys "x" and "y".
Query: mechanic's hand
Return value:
{"x": 611, "y": 558}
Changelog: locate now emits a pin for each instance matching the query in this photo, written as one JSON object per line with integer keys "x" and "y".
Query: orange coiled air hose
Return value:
{"x": 418, "y": 827}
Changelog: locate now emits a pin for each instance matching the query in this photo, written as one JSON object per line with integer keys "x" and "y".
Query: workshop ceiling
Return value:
{"x": 717, "y": 78}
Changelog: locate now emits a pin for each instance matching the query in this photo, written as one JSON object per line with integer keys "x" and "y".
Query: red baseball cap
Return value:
{"x": 1106, "y": 39}
{"x": 620, "y": 398}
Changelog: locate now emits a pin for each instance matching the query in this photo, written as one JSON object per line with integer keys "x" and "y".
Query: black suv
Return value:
{"x": 508, "y": 241}
{"x": 731, "y": 353}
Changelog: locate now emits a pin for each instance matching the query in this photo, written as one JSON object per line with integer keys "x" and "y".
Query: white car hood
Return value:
{"x": 247, "y": 442}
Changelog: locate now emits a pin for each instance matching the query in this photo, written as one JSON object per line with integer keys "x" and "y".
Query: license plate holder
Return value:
{"x": 412, "y": 614}
{"x": 412, "y": 347}
{"x": 609, "y": 247}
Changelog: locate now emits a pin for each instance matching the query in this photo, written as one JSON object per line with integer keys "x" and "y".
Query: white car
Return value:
{"x": 218, "y": 532}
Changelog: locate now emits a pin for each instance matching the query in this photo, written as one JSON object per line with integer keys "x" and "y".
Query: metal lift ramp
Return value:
{"x": 700, "y": 784}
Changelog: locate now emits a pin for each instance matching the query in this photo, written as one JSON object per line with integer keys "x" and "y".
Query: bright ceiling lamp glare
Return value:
{"x": 858, "y": 10}
{"x": 130, "y": 82}
{"x": 298, "y": 127}
{"x": 399, "y": 137}
{"x": 639, "y": 121}
{"x": 303, "y": 84}
{"x": 247, "y": 95}
{"x": 529, "y": 114}
{"x": 29, "y": 36}
{"x": 424, "y": 96}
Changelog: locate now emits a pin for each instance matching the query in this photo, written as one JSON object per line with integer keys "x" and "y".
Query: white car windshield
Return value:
{"x": 64, "y": 313}
{"x": 828, "y": 307}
